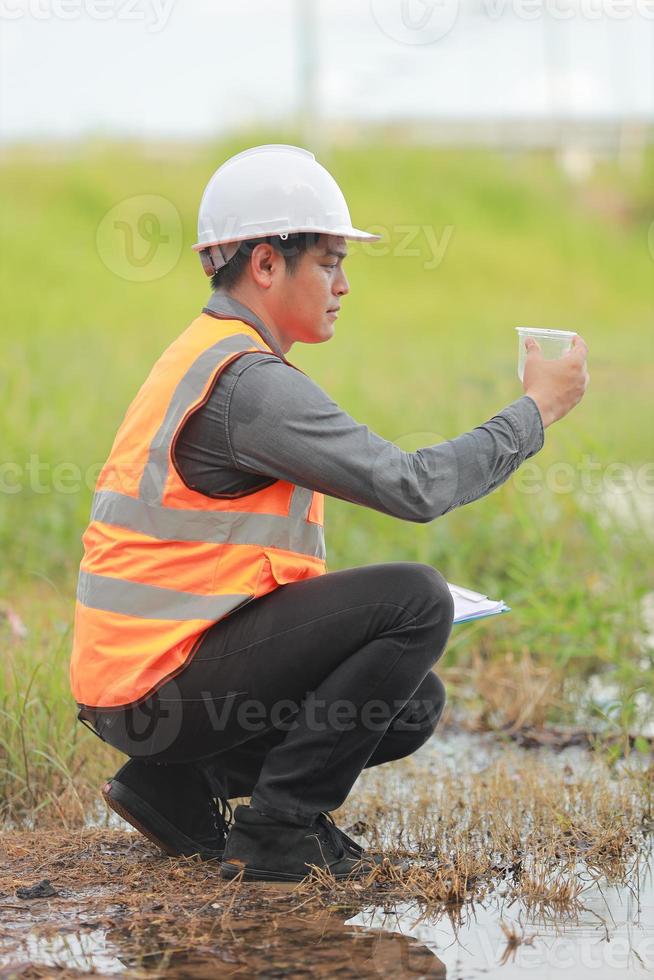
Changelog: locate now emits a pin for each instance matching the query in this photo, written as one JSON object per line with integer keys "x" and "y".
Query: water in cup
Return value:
{"x": 553, "y": 344}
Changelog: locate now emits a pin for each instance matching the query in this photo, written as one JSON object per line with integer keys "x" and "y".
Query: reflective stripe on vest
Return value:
{"x": 149, "y": 601}
{"x": 163, "y": 563}
{"x": 170, "y": 524}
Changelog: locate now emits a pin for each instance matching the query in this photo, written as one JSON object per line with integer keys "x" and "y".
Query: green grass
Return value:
{"x": 420, "y": 355}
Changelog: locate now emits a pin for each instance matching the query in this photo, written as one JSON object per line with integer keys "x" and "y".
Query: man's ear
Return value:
{"x": 265, "y": 263}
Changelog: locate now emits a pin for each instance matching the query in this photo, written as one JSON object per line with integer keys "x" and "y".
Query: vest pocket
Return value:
{"x": 285, "y": 568}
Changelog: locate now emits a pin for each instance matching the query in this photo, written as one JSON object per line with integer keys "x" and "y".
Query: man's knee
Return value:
{"x": 422, "y": 713}
{"x": 430, "y": 593}
{"x": 430, "y": 602}
{"x": 415, "y": 723}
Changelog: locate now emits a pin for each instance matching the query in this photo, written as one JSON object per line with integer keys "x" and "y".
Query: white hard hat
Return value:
{"x": 273, "y": 189}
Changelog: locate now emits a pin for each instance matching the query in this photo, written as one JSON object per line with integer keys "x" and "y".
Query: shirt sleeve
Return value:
{"x": 281, "y": 424}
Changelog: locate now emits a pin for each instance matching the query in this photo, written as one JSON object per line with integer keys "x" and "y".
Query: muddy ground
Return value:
{"x": 517, "y": 863}
{"x": 118, "y": 904}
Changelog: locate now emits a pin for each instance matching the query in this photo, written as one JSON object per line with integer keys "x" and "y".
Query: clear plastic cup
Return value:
{"x": 553, "y": 344}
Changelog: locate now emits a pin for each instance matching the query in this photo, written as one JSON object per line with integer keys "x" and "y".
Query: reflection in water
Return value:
{"x": 147, "y": 918}
{"x": 270, "y": 936}
{"x": 321, "y": 945}
{"x": 611, "y": 936}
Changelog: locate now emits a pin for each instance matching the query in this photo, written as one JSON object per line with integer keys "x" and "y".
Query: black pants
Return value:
{"x": 291, "y": 696}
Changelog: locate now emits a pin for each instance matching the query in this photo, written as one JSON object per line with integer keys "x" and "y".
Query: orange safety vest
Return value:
{"x": 162, "y": 563}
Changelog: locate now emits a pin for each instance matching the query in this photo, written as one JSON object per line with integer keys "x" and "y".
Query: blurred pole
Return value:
{"x": 552, "y": 82}
{"x": 308, "y": 112}
{"x": 631, "y": 136}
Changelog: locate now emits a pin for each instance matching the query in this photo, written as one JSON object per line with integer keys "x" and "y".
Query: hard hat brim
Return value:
{"x": 352, "y": 234}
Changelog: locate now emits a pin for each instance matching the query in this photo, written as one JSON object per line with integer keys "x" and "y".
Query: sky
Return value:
{"x": 202, "y": 67}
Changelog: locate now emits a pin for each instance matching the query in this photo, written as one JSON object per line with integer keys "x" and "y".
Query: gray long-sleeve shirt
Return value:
{"x": 266, "y": 421}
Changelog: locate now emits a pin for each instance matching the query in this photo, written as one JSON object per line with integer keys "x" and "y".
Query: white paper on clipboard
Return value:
{"x": 474, "y": 605}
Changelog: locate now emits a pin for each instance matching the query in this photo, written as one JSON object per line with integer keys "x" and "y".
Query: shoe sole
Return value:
{"x": 157, "y": 829}
{"x": 230, "y": 871}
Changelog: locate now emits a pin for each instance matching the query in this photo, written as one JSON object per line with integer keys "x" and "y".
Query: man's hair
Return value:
{"x": 291, "y": 248}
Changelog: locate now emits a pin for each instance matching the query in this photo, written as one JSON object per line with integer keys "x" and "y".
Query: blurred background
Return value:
{"x": 504, "y": 151}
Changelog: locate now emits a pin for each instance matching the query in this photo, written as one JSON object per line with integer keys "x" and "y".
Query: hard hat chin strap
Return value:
{"x": 216, "y": 256}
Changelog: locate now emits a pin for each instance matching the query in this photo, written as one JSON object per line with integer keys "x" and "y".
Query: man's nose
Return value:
{"x": 341, "y": 285}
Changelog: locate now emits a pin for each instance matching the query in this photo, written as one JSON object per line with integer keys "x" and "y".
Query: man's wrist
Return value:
{"x": 546, "y": 414}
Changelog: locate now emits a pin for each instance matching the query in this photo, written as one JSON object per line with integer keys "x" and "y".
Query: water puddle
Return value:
{"x": 611, "y": 936}
{"x": 122, "y": 909}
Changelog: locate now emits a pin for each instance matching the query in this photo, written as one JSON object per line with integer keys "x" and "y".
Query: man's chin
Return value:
{"x": 329, "y": 328}
{"x": 320, "y": 333}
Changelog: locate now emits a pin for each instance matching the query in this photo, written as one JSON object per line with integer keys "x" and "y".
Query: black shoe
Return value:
{"x": 265, "y": 849}
{"x": 173, "y": 806}
{"x": 352, "y": 845}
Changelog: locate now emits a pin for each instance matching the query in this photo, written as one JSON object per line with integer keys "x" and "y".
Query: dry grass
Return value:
{"x": 535, "y": 827}
{"x": 514, "y": 939}
{"x": 517, "y": 828}
{"x": 508, "y": 692}
{"x": 172, "y": 917}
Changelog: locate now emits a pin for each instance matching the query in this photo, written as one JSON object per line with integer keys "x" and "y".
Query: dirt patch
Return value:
{"x": 116, "y": 897}
{"x": 503, "y": 853}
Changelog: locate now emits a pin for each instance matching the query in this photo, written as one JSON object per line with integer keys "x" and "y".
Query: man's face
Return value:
{"x": 304, "y": 303}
